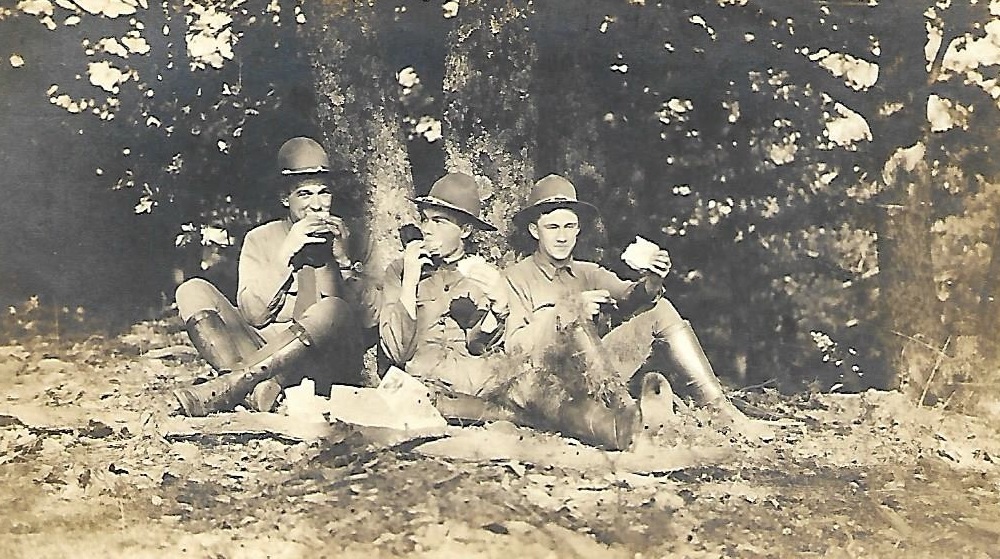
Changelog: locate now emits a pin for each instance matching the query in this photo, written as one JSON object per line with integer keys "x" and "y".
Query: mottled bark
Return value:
{"x": 360, "y": 119}
{"x": 490, "y": 114}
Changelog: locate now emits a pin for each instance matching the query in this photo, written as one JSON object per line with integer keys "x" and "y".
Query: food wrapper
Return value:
{"x": 467, "y": 264}
{"x": 639, "y": 254}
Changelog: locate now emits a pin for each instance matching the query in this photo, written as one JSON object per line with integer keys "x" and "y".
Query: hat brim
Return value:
{"x": 531, "y": 213}
{"x": 432, "y": 202}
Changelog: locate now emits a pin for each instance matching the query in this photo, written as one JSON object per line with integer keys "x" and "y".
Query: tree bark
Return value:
{"x": 490, "y": 114}
{"x": 361, "y": 123}
{"x": 908, "y": 298}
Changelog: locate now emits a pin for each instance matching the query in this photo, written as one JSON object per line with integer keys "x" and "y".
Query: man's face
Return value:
{"x": 443, "y": 233}
{"x": 309, "y": 196}
{"x": 556, "y": 233}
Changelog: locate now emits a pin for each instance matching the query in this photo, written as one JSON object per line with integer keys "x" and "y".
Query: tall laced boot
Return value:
{"x": 226, "y": 391}
{"x": 689, "y": 359}
{"x": 211, "y": 337}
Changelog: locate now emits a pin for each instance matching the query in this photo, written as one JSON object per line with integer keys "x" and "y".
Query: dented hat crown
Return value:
{"x": 456, "y": 192}
{"x": 550, "y": 193}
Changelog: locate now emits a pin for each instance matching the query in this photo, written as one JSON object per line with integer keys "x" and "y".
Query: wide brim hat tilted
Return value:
{"x": 551, "y": 193}
{"x": 302, "y": 156}
{"x": 456, "y": 192}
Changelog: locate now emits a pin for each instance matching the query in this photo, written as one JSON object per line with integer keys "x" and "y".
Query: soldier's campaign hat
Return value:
{"x": 456, "y": 192}
{"x": 301, "y": 155}
{"x": 551, "y": 193}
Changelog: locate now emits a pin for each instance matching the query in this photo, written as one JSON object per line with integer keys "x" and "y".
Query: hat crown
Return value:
{"x": 552, "y": 188}
{"x": 459, "y": 190}
{"x": 302, "y": 155}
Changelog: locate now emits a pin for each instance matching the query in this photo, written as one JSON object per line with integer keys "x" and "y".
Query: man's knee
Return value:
{"x": 666, "y": 316}
{"x": 328, "y": 317}
{"x": 196, "y": 294}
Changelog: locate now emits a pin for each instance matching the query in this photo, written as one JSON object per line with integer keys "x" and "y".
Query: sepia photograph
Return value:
{"x": 499, "y": 278}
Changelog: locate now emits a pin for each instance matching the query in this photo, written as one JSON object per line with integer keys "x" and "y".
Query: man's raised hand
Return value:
{"x": 415, "y": 256}
{"x": 341, "y": 235}
{"x": 306, "y": 231}
{"x": 660, "y": 263}
{"x": 592, "y": 301}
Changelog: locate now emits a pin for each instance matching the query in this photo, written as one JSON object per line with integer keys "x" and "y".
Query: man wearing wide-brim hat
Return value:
{"x": 297, "y": 312}
{"x": 555, "y": 298}
{"x": 443, "y": 308}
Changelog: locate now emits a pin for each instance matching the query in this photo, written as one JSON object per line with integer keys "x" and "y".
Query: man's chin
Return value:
{"x": 561, "y": 256}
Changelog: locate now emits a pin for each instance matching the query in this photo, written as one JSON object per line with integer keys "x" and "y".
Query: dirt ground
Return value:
{"x": 88, "y": 468}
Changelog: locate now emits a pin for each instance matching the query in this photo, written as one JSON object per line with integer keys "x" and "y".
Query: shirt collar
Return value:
{"x": 549, "y": 268}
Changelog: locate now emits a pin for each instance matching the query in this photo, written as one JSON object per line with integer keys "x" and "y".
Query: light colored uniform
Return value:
{"x": 433, "y": 345}
{"x": 543, "y": 296}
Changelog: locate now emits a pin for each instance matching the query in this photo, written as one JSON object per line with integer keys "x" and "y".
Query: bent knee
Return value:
{"x": 326, "y": 316}
{"x": 666, "y": 314}
{"x": 196, "y": 294}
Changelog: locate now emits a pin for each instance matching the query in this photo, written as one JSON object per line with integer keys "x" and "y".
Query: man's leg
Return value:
{"x": 570, "y": 388}
{"x": 630, "y": 345}
{"x": 215, "y": 327}
{"x": 337, "y": 356}
{"x": 280, "y": 355}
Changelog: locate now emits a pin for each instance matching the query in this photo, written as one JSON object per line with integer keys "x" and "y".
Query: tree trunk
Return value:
{"x": 908, "y": 296}
{"x": 490, "y": 114}
{"x": 361, "y": 124}
{"x": 912, "y": 330}
{"x": 989, "y": 305}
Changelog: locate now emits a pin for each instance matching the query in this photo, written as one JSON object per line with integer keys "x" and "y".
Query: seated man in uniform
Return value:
{"x": 442, "y": 307}
{"x": 299, "y": 312}
{"x": 551, "y": 294}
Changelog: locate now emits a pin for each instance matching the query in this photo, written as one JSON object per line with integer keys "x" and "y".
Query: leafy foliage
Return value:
{"x": 819, "y": 171}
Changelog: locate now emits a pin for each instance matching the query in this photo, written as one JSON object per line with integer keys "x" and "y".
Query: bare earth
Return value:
{"x": 92, "y": 465}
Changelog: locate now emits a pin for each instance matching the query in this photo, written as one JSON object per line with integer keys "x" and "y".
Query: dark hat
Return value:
{"x": 456, "y": 192}
{"x": 302, "y": 155}
{"x": 551, "y": 193}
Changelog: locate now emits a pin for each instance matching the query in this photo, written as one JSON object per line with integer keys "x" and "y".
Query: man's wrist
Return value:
{"x": 350, "y": 265}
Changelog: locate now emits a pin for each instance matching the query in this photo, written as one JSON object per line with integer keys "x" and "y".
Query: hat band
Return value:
{"x": 434, "y": 200}
{"x": 319, "y": 169}
{"x": 556, "y": 198}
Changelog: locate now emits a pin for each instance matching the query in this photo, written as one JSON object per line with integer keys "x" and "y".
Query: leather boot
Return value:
{"x": 595, "y": 411}
{"x": 689, "y": 359}
{"x": 595, "y": 423}
{"x": 226, "y": 391}
{"x": 212, "y": 339}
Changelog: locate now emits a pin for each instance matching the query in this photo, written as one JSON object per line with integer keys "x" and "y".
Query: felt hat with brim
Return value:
{"x": 302, "y": 156}
{"x": 551, "y": 193}
{"x": 456, "y": 192}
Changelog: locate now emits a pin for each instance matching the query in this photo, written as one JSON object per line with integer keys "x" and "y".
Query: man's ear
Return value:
{"x": 533, "y": 229}
{"x": 467, "y": 229}
{"x": 284, "y": 200}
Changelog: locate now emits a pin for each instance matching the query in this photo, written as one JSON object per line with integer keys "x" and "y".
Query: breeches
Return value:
{"x": 455, "y": 370}
{"x": 629, "y": 345}
{"x": 336, "y": 353}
